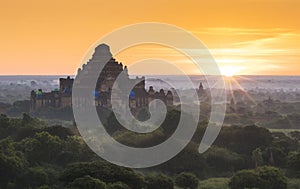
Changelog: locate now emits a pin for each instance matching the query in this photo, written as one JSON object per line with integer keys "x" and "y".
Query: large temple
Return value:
{"x": 139, "y": 97}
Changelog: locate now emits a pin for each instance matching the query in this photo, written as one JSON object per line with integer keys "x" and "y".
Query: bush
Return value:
{"x": 104, "y": 171}
{"x": 187, "y": 180}
{"x": 272, "y": 178}
{"x": 214, "y": 183}
{"x": 118, "y": 185}
{"x": 245, "y": 179}
{"x": 294, "y": 184}
{"x": 294, "y": 163}
{"x": 159, "y": 181}
{"x": 221, "y": 160}
{"x": 44, "y": 187}
{"x": 87, "y": 182}
{"x": 264, "y": 178}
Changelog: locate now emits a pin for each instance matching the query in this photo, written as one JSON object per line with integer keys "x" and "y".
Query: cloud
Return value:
{"x": 257, "y": 51}
{"x": 265, "y": 50}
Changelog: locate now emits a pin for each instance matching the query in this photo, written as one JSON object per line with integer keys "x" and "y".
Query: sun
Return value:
{"x": 230, "y": 71}
{"x": 228, "y": 74}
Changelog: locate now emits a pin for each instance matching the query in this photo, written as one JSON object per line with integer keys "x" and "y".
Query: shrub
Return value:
{"x": 263, "y": 178}
{"x": 214, "y": 183}
{"x": 159, "y": 181}
{"x": 186, "y": 180}
{"x": 245, "y": 179}
{"x": 294, "y": 184}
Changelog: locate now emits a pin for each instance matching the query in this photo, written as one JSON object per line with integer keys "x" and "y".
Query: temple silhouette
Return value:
{"x": 62, "y": 97}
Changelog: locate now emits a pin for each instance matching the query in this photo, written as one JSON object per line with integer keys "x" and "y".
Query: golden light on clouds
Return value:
{"x": 51, "y": 37}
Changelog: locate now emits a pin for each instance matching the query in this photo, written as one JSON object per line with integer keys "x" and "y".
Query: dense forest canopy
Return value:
{"x": 36, "y": 155}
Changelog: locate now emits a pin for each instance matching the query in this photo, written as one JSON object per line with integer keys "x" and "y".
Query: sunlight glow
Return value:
{"x": 230, "y": 71}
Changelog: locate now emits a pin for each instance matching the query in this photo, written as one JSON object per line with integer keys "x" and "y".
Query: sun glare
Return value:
{"x": 230, "y": 71}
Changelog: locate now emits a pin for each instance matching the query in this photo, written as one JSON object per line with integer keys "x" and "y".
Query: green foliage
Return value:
{"x": 36, "y": 156}
{"x": 64, "y": 113}
{"x": 44, "y": 187}
{"x": 275, "y": 156}
{"x": 111, "y": 124}
{"x": 245, "y": 179}
{"x": 285, "y": 143}
{"x": 34, "y": 177}
{"x": 214, "y": 183}
{"x": 279, "y": 122}
{"x": 143, "y": 114}
{"x": 43, "y": 147}
{"x": 118, "y": 185}
{"x": 293, "y": 184}
{"x": 19, "y": 128}
{"x": 12, "y": 162}
{"x": 294, "y": 163}
{"x": 87, "y": 182}
{"x": 4, "y": 121}
{"x": 264, "y": 178}
{"x": 186, "y": 180}
{"x": 294, "y": 119}
{"x": 170, "y": 123}
{"x": 222, "y": 160}
{"x": 141, "y": 140}
{"x": 272, "y": 178}
{"x": 74, "y": 150}
{"x": 257, "y": 157}
{"x": 104, "y": 171}
{"x": 18, "y": 108}
{"x": 57, "y": 130}
{"x": 158, "y": 181}
{"x": 188, "y": 160}
{"x": 244, "y": 140}
{"x": 295, "y": 135}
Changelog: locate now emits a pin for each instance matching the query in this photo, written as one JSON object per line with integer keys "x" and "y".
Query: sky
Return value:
{"x": 246, "y": 37}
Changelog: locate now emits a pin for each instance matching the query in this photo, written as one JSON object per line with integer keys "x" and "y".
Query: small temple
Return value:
{"x": 62, "y": 97}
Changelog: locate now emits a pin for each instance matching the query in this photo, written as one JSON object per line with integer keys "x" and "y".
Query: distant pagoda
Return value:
{"x": 62, "y": 97}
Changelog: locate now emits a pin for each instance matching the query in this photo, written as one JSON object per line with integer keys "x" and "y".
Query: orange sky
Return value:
{"x": 248, "y": 36}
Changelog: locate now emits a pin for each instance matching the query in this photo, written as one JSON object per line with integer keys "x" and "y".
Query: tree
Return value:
{"x": 295, "y": 135}
{"x": 244, "y": 140}
{"x": 28, "y": 121}
{"x": 284, "y": 142}
{"x": 4, "y": 124}
{"x": 214, "y": 183}
{"x": 104, "y": 171}
{"x": 60, "y": 131}
{"x": 143, "y": 114}
{"x": 158, "y": 181}
{"x": 275, "y": 156}
{"x": 87, "y": 182}
{"x": 264, "y": 178}
{"x": 75, "y": 150}
{"x": 245, "y": 179}
{"x": 170, "y": 123}
{"x": 118, "y": 185}
{"x": 221, "y": 160}
{"x": 12, "y": 162}
{"x": 44, "y": 187}
{"x": 188, "y": 160}
{"x": 294, "y": 163}
{"x": 257, "y": 157}
{"x": 272, "y": 178}
{"x": 111, "y": 123}
{"x": 4, "y": 121}
{"x": 34, "y": 177}
{"x": 186, "y": 180}
{"x": 43, "y": 147}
